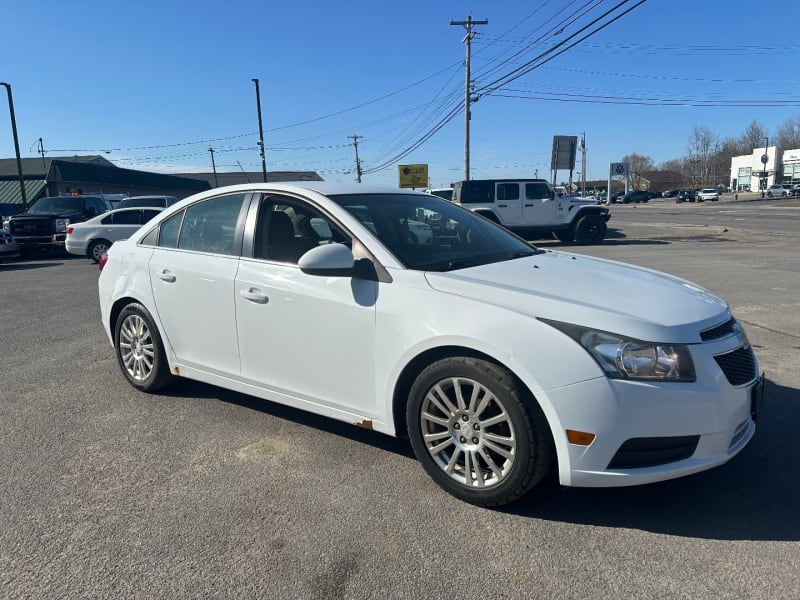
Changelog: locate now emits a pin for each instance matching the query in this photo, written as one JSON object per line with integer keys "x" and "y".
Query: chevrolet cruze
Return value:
{"x": 497, "y": 360}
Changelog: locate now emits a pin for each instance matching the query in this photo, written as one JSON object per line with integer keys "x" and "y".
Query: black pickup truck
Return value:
{"x": 44, "y": 226}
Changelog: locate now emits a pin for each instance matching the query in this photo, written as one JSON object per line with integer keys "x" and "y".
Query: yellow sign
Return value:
{"x": 412, "y": 176}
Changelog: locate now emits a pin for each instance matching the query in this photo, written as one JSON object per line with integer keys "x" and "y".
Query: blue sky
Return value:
{"x": 153, "y": 85}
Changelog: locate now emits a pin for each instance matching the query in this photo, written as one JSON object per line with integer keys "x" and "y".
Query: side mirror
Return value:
{"x": 333, "y": 260}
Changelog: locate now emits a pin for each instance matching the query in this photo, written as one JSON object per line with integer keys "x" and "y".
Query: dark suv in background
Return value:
{"x": 636, "y": 196}
{"x": 44, "y": 225}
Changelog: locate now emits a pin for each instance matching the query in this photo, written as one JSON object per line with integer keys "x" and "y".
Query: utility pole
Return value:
{"x": 583, "y": 164}
{"x": 213, "y": 166}
{"x": 260, "y": 131}
{"x": 468, "y": 40}
{"x": 358, "y": 161}
{"x": 16, "y": 145}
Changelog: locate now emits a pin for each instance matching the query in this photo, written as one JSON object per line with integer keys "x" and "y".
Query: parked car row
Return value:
{"x": 49, "y": 222}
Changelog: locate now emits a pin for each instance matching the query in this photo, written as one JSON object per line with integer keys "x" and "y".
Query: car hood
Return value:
{"x": 602, "y": 294}
{"x": 48, "y": 215}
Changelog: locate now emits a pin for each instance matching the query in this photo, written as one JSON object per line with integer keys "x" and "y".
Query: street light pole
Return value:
{"x": 260, "y": 131}
{"x": 16, "y": 145}
{"x": 764, "y": 161}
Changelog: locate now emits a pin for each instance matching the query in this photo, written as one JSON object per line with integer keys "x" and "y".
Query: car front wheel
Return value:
{"x": 477, "y": 432}
{"x": 139, "y": 349}
{"x": 590, "y": 229}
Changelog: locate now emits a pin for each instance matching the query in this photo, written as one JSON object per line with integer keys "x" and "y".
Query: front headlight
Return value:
{"x": 625, "y": 358}
{"x": 61, "y": 225}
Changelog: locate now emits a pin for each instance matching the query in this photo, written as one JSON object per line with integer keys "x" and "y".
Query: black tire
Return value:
{"x": 506, "y": 458}
{"x": 97, "y": 248}
{"x": 140, "y": 351}
{"x": 565, "y": 236}
{"x": 590, "y": 229}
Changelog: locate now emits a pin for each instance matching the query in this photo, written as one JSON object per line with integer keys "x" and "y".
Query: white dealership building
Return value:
{"x": 752, "y": 172}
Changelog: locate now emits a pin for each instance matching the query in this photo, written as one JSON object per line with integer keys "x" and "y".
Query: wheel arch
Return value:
{"x": 488, "y": 214}
{"x": 93, "y": 241}
{"x": 417, "y": 364}
{"x": 119, "y": 305}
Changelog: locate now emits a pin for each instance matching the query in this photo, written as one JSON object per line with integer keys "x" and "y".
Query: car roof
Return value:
{"x": 328, "y": 188}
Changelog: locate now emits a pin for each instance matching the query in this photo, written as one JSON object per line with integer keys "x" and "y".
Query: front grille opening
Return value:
{"x": 637, "y": 453}
{"x": 719, "y": 331}
{"x": 738, "y": 366}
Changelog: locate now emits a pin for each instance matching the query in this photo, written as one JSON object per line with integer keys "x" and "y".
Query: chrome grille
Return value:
{"x": 719, "y": 331}
{"x": 738, "y": 366}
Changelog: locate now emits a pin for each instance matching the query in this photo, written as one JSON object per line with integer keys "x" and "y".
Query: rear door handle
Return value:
{"x": 167, "y": 276}
{"x": 503, "y": 205}
{"x": 254, "y": 295}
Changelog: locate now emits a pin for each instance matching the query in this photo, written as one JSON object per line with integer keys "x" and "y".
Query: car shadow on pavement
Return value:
{"x": 195, "y": 389}
{"x": 614, "y": 237}
{"x": 756, "y": 496}
{"x": 28, "y": 266}
{"x": 753, "y": 497}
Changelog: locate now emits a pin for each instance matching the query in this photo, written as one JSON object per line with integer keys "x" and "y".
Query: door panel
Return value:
{"x": 194, "y": 299}
{"x": 508, "y": 203}
{"x": 307, "y": 336}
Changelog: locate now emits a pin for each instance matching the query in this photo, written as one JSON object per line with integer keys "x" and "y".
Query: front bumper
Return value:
{"x": 55, "y": 240}
{"x": 654, "y": 431}
{"x": 9, "y": 251}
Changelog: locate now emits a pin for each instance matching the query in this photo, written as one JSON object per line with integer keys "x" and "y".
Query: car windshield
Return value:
{"x": 427, "y": 233}
{"x": 57, "y": 204}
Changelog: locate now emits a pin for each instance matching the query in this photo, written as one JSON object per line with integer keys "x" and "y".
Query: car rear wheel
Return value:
{"x": 477, "y": 432}
{"x": 97, "y": 248}
{"x": 139, "y": 349}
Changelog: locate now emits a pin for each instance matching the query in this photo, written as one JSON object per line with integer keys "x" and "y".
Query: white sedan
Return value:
{"x": 499, "y": 361}
{"x": 93, "y": 238}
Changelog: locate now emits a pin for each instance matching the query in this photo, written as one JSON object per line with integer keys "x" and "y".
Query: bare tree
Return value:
{"x": 639, "y": 164}
{"x": 788, "y": 137}
{"x": 753, "y": 137}
{"x": 726, "y": 150}
{"x": 703, "y": 145}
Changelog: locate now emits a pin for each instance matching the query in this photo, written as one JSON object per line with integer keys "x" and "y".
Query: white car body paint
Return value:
{"x": 337, "y": 346}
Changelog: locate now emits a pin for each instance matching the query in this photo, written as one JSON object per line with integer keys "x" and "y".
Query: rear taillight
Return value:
{"x": 103, "y": 261}
{"x": 70, "y": 229}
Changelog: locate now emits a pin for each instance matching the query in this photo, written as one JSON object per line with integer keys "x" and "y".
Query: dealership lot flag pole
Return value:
{"x": 16, "y": 145}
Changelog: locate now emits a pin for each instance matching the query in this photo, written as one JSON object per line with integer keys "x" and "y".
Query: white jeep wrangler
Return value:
{"x": 533, "y": 207}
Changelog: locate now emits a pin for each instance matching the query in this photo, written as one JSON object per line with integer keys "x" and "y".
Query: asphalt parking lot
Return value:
{"x": 202, "y": 492}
